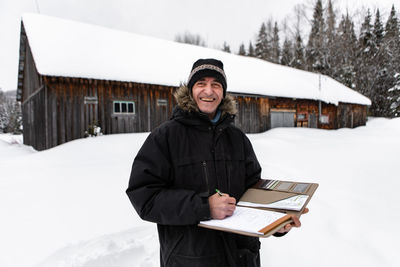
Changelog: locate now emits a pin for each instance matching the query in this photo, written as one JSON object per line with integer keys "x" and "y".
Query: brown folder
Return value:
{"x": 260, "y": 193}
{"x": 269, "y": 191}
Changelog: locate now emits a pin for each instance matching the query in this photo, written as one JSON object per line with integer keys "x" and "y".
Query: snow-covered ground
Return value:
{"x": 67, "y": 207}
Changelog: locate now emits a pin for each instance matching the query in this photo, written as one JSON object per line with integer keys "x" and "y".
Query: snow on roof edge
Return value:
{"x": 98, "y": 57}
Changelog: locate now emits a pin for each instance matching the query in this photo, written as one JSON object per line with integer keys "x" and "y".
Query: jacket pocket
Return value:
{"x": 171, "y": 249}
{"x": 192, "y": 174}
{"x": 206, "y": 191}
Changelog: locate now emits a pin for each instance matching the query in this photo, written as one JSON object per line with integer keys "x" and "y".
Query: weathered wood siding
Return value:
{"x": 69, "y": 115}
{"x": 351, "y": 115}
{"x": 310, "y": 108}
{"x": 253, "y": 113}
{"x": 32, "y": 98}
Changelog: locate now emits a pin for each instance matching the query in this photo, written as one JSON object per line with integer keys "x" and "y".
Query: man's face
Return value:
{"x": 208, "y": 94}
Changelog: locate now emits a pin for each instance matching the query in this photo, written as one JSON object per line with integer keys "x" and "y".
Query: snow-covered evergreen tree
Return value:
{"x": 190, "y": 38}
{"x": 366, "y": 50}
{"x": 384, "y": 77}
{"x": 299, "y": 57}
{"x": 378, "y": 29}
{"x": 10, "y": 114}
{"x": 275, "y": 47}
{"x": 394, "y": 97}
{"x": 250, "y": 51}
{"x": 262, "y": 43}
{"x": 226, "y": 47}
{"x": 391, "y": 43}
{"x": 316, "y": 46}
{"x": 287, "y": 53}
{"x": 3, "y": 112}
{"x": 332, "y": 50}
{"x": 242, "y": 50}
{"x": 343, "y": 69}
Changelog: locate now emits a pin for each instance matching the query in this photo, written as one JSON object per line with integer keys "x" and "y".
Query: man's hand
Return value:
{"x": 221, "y": 206}
{"x": 296, "y": 223}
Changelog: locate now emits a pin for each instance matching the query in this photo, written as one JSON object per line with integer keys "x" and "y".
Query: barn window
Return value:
{"x": 324, "y": 119}
{"x": 301, "y": 116}
{"x": 302, "y": 120}
{"x": 124, "y": 107}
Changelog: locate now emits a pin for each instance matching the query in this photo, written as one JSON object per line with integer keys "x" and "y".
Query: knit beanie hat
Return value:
{"x": 209, "y": 67}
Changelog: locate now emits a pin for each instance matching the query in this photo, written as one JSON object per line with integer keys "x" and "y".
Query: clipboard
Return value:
{"x": 270, "y": 191}
{"x": 266, "y": 192}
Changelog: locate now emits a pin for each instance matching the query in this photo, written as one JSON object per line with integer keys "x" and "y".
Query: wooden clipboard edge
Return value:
{"x": 276, "y": 223}
{"x": 270, "y": 231}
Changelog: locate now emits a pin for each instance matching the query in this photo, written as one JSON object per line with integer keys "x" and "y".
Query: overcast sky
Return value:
{"x": 233, "y": 21}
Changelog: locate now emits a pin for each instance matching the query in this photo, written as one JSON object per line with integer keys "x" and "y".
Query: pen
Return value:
{"x": 219, "y": 192}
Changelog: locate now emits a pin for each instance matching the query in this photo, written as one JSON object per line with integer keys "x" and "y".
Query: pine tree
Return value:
{"x": 287, "y": 53}
{"x": 190, "y": 38}
{"x": 226, "y": 48}
{"x": 10, "y": 114}
{"x": 262, "y": 43}
{"x": 374, "y": 73}
{"x": 242, "y": 50}
{"x": 316, "y": 46}
{"x": 391, "y": 38}
{"x": 378, "y": 29}
{"x": 365, "y": 52}
{"x": 394, "y": 97}
{"x": 392, "y": 29}
{"x": 299, "y": 59}
{"x": 275, "y": 48}
{"x": 3, "y": 112}
{"x": 250, "y": 51}
{"x": 383, "y": 81}
{"x": 15, "y": 120}
{"x": 391, "y": 42}
{"x": 332, "y": 50}
{"x": 345, "y": 60}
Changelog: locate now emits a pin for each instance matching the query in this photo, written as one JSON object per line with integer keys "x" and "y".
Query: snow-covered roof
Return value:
{"x": 74, "y": 49}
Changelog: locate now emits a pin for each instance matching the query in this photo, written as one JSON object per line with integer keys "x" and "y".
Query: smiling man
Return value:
{"x": 176, "y": 173}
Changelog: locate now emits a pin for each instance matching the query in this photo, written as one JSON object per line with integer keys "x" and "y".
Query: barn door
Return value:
{"x": 312, "y": 120}
{"x": 282, "y": 118}
{"x": 91, "y": 115}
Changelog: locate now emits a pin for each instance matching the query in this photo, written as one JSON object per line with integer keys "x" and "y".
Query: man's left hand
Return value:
{"x": 296, "y": 223}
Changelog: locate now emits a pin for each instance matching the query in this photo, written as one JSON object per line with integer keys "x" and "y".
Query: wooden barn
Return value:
{"x": 73, "y": 76}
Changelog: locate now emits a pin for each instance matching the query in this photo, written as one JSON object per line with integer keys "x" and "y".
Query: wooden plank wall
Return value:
{"x": 60, "y": 103}
{"x": 351, "y": 115}
{"x": 253, "y": 113}
{"x": 307, "y": 106}
{"x": 359, "y": 115}
{"x": 33, "y": 112}
{"x": 33, "y": 97}
{"x": 69, "y": 116}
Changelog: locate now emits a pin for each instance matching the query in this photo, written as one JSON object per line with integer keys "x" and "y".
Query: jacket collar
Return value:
{"x": 188, "y": 113}
{"x": 187, "y": 103}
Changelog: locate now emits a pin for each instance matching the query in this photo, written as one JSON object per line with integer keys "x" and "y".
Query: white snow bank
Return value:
{"x": 128, "y": 248}
{"x": 73, "y": 49}
{"x": 67, "y": 207}
{"x": 11, "y": 146}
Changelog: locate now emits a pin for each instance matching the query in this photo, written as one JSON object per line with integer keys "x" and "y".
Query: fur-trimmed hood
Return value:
{"x": 187, "y": 103}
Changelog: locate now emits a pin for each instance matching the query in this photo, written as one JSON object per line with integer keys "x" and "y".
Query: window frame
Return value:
{"x": 121, "y": 112}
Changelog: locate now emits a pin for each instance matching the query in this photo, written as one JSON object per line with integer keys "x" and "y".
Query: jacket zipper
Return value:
{"x": 206, "y": 176}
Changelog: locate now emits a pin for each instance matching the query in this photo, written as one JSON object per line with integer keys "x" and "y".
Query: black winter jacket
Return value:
{"x": 179, "y": 166}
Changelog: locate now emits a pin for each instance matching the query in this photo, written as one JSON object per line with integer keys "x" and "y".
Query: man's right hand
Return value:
{"x": 221, "y": 206}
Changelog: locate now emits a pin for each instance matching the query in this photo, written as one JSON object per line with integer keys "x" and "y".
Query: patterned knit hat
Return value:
{"x": 209, "y": 67}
